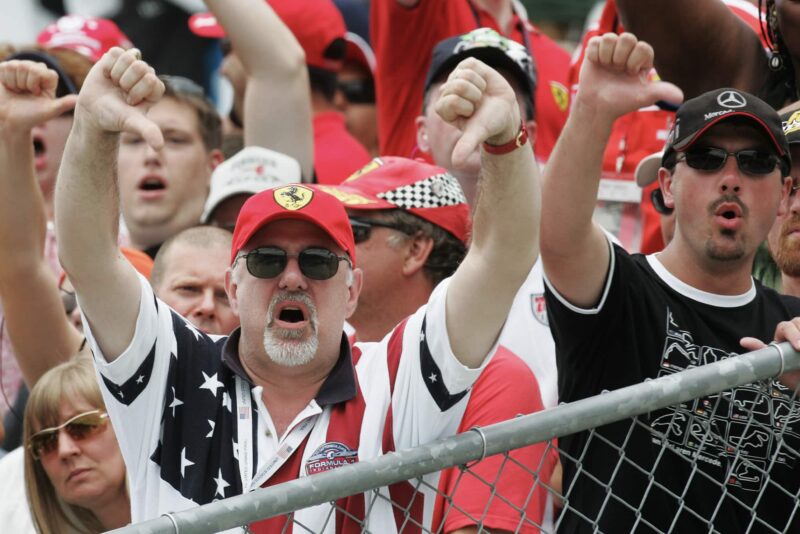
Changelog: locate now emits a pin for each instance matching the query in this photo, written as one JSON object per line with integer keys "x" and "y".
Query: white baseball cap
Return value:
{"x": 647, "y": 170}
{"x": 250, "y": 171}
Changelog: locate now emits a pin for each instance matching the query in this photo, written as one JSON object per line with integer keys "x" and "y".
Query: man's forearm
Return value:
{"x": 87, "y": 198}
{"x": 23, "y": 219}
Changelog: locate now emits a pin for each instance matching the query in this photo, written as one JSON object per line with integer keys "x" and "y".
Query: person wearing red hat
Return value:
{"x": 411, "y": 28}
{"x": 319, "y": 28}
{"x": 411, "y": 226}
{"x": 355, "y": 92}
{"x": 284, "y": 394}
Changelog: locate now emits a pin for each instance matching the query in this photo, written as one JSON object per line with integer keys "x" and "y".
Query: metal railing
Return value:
{"x": 545, "y": 426}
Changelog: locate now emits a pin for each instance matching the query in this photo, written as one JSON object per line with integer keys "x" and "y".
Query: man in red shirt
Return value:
{"x": 404, "y": 29}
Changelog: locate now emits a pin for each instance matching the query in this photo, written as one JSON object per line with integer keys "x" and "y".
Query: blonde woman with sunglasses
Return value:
{"x": 74, "y": 472}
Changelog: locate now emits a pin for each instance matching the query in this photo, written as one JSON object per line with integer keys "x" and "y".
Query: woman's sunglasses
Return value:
{"x": 362, "y": 228}
{"x": 750, "y": 161}
{"x": 79, "y": 428}
{"x": 314, "y": 263}
{"x": 357, "y": 91}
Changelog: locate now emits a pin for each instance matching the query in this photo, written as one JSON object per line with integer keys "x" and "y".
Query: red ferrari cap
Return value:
{"x": 295, "y": 201}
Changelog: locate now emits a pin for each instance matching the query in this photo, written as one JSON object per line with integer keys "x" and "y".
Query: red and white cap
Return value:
{"x": 89, "y": 36}
{"x": 316, "y": 24}
{"x": 304, "y": 202}
{"x": 358, "y": 51}
{"x": 427, "y": 191}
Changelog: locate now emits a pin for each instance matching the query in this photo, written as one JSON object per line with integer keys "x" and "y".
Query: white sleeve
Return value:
{"x": 431, "y": 388}
{"x": 133, "y": 385}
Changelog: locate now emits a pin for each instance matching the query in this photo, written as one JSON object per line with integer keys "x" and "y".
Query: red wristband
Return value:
{"x": 520, "y": 139}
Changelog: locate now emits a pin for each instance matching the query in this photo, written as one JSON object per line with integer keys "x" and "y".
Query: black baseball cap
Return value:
{"x": 488, "y": 46}
{"x": 697, "y": 115}
{"x": 65, "y": 84}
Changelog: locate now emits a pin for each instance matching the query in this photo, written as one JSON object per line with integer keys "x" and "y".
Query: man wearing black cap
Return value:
{"x": 511, "y": 59}
{"x": 725, "y": 462}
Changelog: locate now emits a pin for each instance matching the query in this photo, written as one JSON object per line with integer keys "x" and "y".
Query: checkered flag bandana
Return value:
{"x": 436, "y": 191}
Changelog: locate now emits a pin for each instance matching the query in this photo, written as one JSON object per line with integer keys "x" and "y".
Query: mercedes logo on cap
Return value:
{"x": 731, "y": 99}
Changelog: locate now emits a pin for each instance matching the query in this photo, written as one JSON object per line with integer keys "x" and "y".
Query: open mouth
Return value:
{"x": 152, "y": 183}
{"x": 729, "y": 214}
{"x": 38, "y": 147}
{"x": 291, "y": 315}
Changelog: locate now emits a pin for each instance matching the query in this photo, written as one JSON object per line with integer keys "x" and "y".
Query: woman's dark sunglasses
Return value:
{"x": 314, "y": 263}
{"x": 362, "y": 228}
{"x": 79, "y": 427}
{"x": 750, "y": 161}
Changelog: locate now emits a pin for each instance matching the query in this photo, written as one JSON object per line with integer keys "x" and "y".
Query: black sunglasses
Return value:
{"x": 357, "y": 91}
{"x": 79, "y": 428}
{"x": 314, "y": 263}
{"x": 750, "y": 161}
{"x": 362, "y": 228}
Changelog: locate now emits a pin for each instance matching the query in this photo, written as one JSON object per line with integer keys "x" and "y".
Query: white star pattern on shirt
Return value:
{"x": 175, "y": 402}
{"x": 185, "y": 462}
{"x": 432, "y": 378}
{"x": 193, "y": 330}
{"x": 213, "y": 424}
{"x": 121, "y": 395}
{"x": 422, "y": 336}
{"x": 221, "y": 484}
{"x": 211, "y": 383}
{"x": 226, "y": 401}
{"x": 140, "y": 379}
{"x": 235, "y": 450}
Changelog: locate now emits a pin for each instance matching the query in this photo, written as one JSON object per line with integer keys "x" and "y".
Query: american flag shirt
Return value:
{"x": 193, "y": 428}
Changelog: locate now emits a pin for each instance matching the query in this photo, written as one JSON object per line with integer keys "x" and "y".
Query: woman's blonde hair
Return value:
{"x": 73, "y": 379}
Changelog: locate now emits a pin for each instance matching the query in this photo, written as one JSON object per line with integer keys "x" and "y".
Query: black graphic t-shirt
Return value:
{"x": 726, "y": 462}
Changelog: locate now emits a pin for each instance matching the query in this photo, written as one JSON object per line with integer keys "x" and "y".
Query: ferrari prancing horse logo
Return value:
{"x": 293, "y": 197}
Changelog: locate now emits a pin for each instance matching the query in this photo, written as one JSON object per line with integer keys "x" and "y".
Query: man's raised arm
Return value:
{"x": 700, "y": 45}
{"x": 575, "y": 252}
{"x": 505, "y": 239}
{"x": 27, "y": 285}
{"x": 277, "y": 99}
{"x": 114, "y": 98}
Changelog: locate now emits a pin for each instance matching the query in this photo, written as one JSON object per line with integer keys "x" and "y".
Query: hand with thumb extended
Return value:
{"x": 477, "y": 100}
{"x": 28, "y": 95}
{"x": 614, "y": 77}
{"x": 117, "y": 94}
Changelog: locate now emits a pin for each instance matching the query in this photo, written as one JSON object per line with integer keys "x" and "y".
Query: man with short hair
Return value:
{"x": 726, "y": 462}
{"x": 163, "y": 191}
{"x": 200, "y": 418}
{"x": 189, "y": 275}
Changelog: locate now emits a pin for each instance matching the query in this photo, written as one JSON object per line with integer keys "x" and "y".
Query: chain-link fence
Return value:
{"x": 710, "y": 449}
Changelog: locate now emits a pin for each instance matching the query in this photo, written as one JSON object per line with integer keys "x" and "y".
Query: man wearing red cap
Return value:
{"x": 203, "y": 418}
